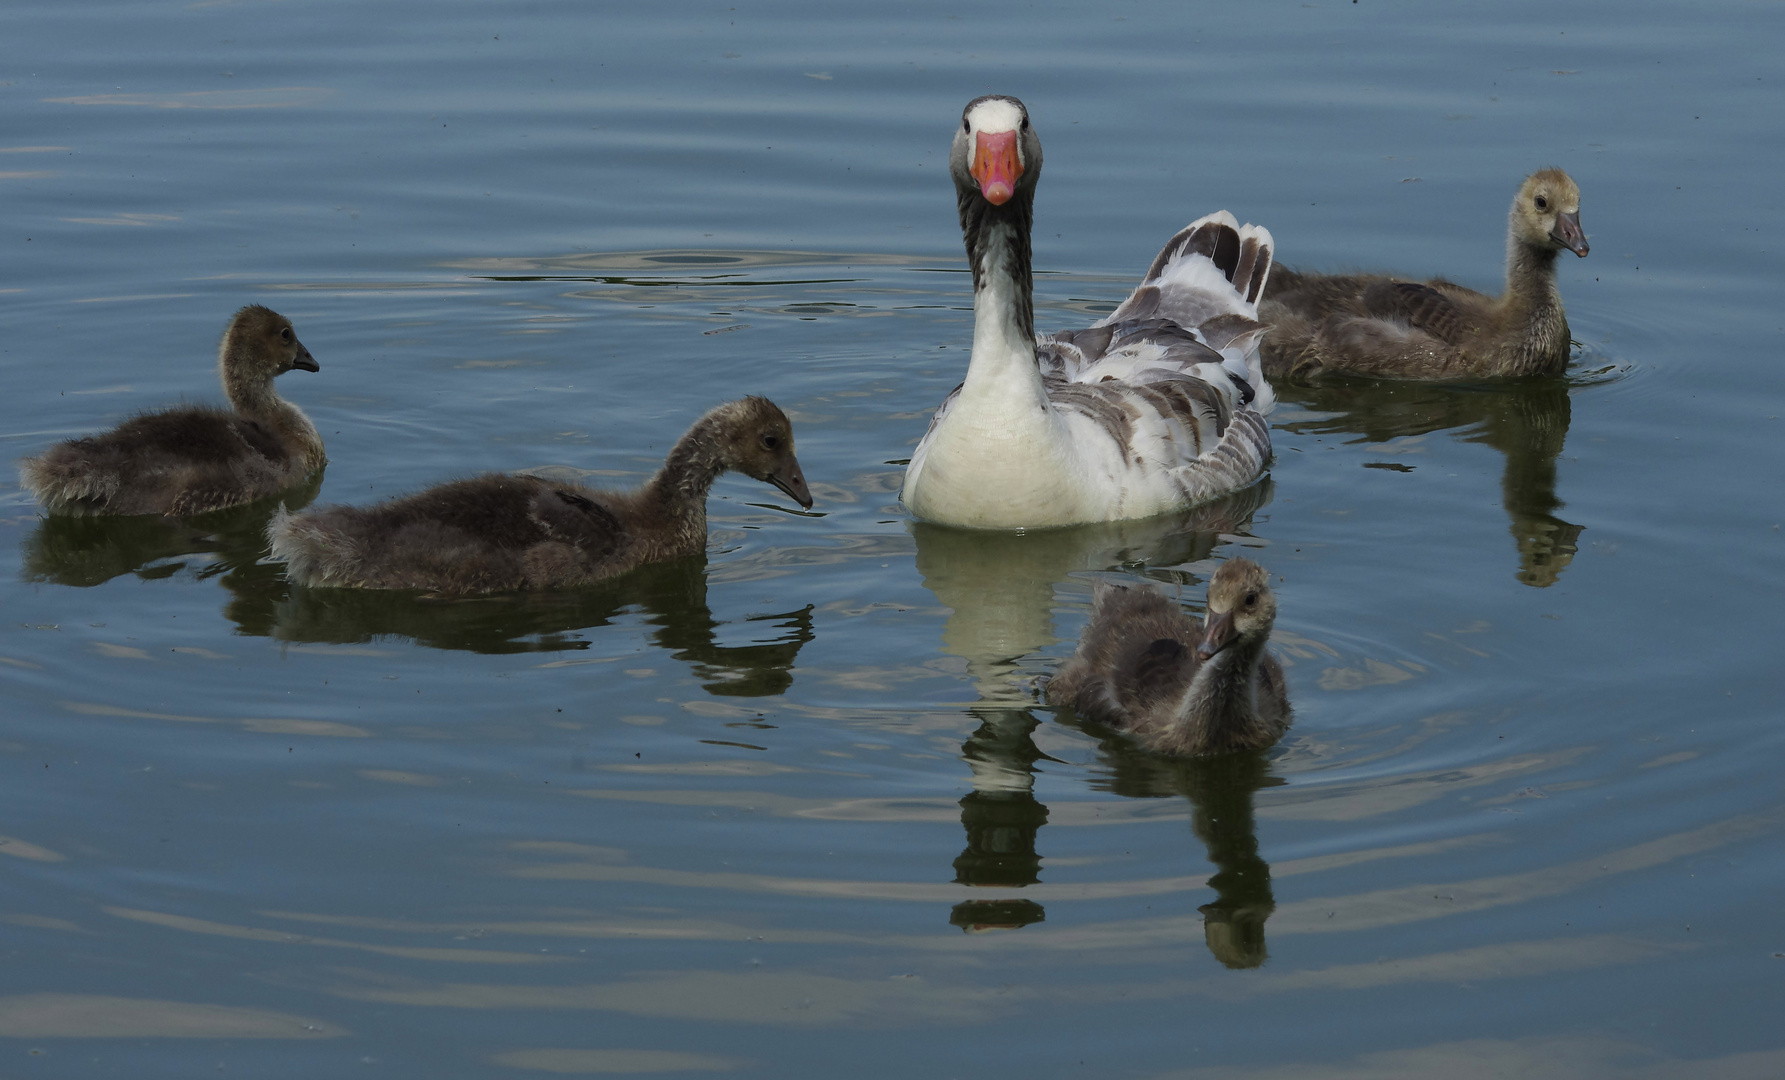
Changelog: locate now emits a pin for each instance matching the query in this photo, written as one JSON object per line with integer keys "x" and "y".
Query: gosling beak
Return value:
{"x": 996, "y": 165}
{"x": 1567, "y": 233}
{"x": 1218, "y": 636}
{"x": 303, "y": 361}
{"x": 791, "y": 480}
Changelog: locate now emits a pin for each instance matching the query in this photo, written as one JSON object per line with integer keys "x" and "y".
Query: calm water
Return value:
{"x": 794, "y": 809}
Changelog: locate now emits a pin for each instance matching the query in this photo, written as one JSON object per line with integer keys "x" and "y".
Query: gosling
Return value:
{"x": 501, "y": 532}
{"x": 1378, "y": 326}
{"x": 1146, "y": 667}
{"x": 190, "y": 459}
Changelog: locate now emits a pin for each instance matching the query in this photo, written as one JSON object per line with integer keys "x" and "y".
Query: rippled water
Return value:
{"x": 794, "y": 809}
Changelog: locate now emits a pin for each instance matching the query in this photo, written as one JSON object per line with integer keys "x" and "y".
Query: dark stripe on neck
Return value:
{"x": 982, "y": 227}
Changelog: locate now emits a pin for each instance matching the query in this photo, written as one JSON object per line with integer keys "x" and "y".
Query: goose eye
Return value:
{"x": 964, "y": 125}
{"x": 285, "y": 333}
{"x": 1024, "y": 126}
{"x": 1542, "y": 203}
{"x": 771, "y": 442}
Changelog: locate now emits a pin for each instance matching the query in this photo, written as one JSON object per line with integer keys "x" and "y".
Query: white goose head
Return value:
{"x": 995, "y": 162}
{"x": 996, "y": 153}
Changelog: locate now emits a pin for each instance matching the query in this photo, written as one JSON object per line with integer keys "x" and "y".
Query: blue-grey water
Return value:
{"x": 794, "y": 809}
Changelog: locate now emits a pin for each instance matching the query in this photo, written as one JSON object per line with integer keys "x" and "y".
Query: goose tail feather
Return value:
{"x": 1242, "y": 254}
{"x": 1239, "y": 459}
{"x": 1210, "y": 277}
{"x": 312, "y": 554}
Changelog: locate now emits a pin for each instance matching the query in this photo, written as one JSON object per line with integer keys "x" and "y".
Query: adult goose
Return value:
{"x": 504, "y": 532}
{"x": 1176, "y": 686}
{"x": 1380, "y": 326}
{"x": 190, "y": 459}
{"x": 1156, "y": 407}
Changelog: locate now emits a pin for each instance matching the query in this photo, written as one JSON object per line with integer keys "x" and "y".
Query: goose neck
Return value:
{"x": 681, "y": 486}
{"x": 1220, "y": 696}
{"x": 997, "y": 241}
{"x": 249, "y": 392}
{"x": 1531, "y": 277}
{"x": 253, "y": 395}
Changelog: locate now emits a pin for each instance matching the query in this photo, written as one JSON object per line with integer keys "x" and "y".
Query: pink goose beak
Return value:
{"x": 996, "y": 165}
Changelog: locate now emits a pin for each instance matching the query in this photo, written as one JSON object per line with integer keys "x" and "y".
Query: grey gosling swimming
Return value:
{"x": 1375, "y": 325}
{"x": 189, "y": 459}
{"x": 1146, "y": 667}
{"x": 502, "y": 532}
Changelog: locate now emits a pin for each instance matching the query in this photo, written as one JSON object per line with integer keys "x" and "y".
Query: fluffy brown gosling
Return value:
{"x": 190, "y": 459}
{"x": 1375, "y": 325}
{"x": 501, "y": 532}
{"x": 1146, "y": 667}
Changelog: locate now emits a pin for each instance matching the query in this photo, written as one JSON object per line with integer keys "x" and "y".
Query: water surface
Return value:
{"x": 794, "y": 808}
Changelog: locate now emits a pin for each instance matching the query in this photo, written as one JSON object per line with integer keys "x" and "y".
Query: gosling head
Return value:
{"x": 996, "y": 152}
{"x": 1546, "y": 214}
{"x": 260, "y": 342}
{"x": 1241, "y": 607}
{"x": 756, "y": 439}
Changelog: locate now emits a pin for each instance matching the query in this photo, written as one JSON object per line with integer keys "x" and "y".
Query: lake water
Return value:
{"x": 795, "y": 809}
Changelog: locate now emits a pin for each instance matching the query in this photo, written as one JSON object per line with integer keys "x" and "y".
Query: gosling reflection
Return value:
{"x": 1525, "y": 420}
{"x": 1220, "y": 790}
{"x": 999, "y": 588}
{"x": 671, "y": 596}
{"x": 232, "y": 548}
{"x": 84, "y": 551}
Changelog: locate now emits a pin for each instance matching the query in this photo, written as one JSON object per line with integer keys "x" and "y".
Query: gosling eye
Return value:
{"x": 285, "y": 333}
{"x": 1542, "y": 203}
{"x": 1251, "y": 599}
{"x": 771, "y": 442}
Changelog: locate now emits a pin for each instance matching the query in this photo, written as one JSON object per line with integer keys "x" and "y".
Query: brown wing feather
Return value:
{"x": 1132, "y": 656}
{"x": 577, "y": 520}
{"x": 489, "y": 533}
{"x": 197, "y": 435}
{"x": 175, "y": 461}
{"x": 1419, "y": 306}
{"x": 1155, "y": 674}
{"x": 1315, "y": 296}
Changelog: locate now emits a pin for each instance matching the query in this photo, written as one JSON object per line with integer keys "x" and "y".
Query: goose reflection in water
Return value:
{"x": 1002, "y": 818}
{"x": 672, "y": 597}
{"x": 1526, "y": 420}
{"x": 84, "y": 551}
{"x": 1220, "y": 789}
{"x": 999, "y": 588}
